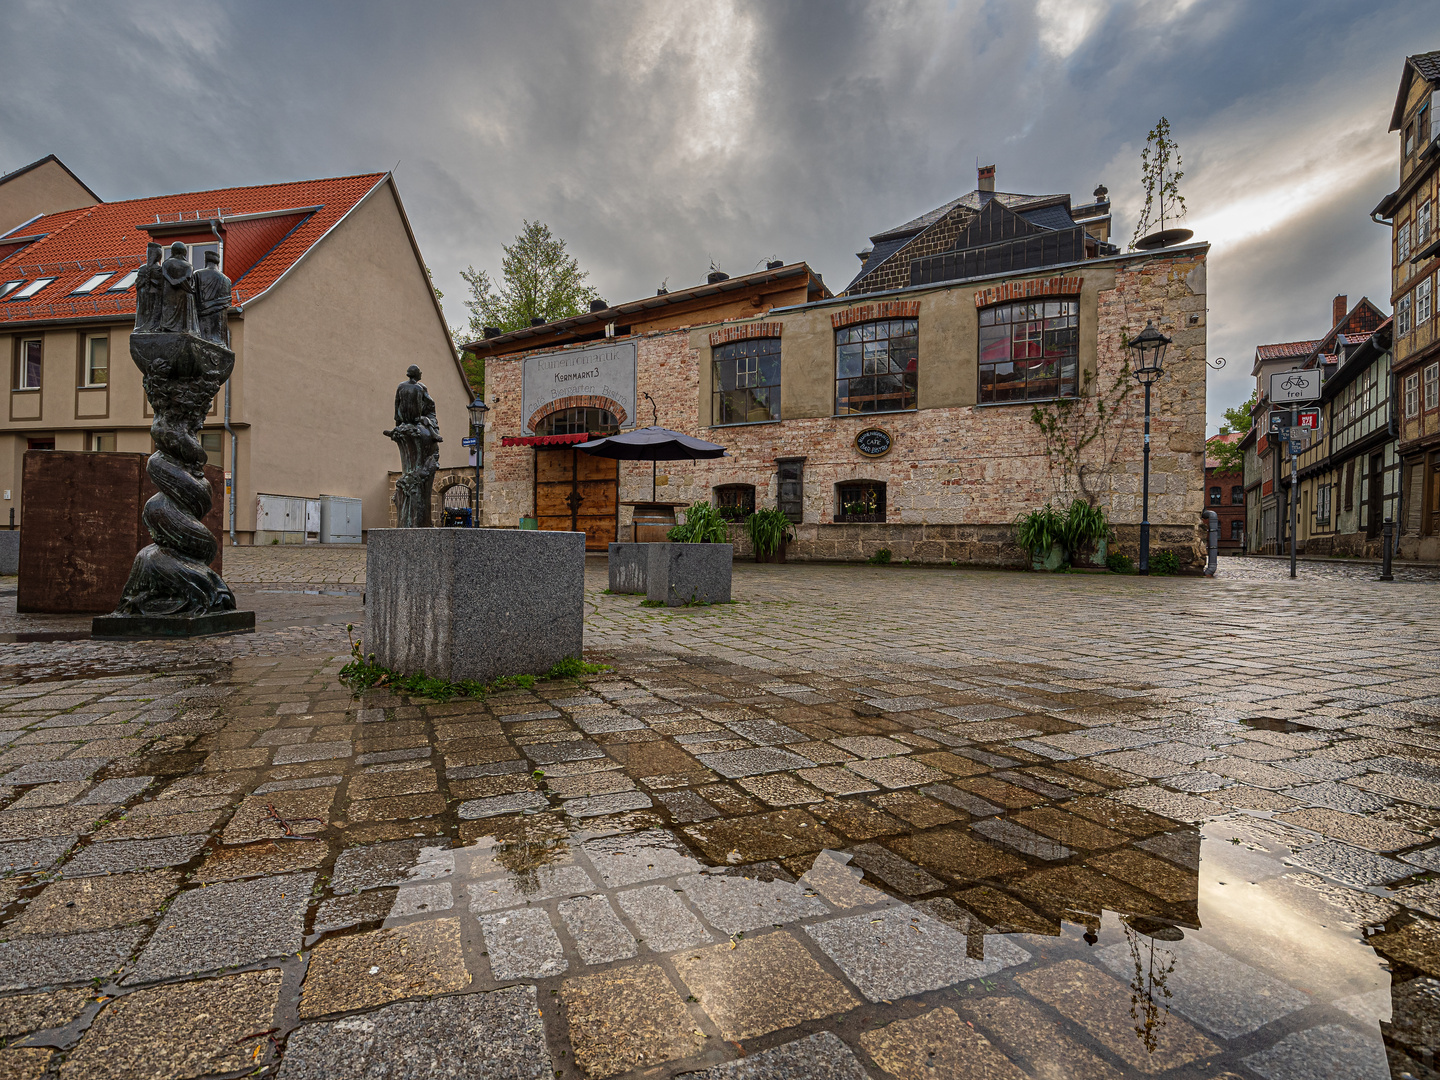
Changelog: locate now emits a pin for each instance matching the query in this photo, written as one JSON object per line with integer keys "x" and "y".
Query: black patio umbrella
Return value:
{"x": 652, "y": 444}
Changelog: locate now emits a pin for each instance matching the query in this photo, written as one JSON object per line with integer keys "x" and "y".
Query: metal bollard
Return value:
{"x": 1387, "y": 542}
{"x": 1213, "y": 519}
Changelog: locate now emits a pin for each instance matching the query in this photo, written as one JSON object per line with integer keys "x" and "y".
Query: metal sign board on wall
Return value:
{"x": 1299, "y": 385}
{"x": 597, "y": 377}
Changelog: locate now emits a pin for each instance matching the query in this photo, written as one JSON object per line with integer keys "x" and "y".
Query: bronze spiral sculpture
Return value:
{"x": 181, "y": 346}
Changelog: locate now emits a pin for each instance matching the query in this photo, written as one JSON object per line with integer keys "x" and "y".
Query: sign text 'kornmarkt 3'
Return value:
{"x": 597, "y": 377}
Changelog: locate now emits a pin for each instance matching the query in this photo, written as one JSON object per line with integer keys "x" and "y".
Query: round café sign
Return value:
{"x": 873, "y": 442}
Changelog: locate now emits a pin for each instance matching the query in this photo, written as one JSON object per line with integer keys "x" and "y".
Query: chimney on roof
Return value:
{"x": 986, "y": 180}
{"x": 598, "y": 305}
{"x": 1338, "y": 307}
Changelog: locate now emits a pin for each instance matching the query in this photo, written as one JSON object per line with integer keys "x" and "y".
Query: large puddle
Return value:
{"x": 899, "y": 873}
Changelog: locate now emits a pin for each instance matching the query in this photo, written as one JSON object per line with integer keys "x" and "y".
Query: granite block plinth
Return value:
{"x": 679, "y": 574}
{"x": 474, "y": 603}
{"x": 9, "y": 552}
{"x": 629, "y": 567}
{"x": 140, "y": 627}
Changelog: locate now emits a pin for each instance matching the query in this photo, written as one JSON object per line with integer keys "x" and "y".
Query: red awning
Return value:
{"x": 544, "y": 440}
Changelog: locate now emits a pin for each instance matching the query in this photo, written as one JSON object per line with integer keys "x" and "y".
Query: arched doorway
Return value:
{"x": 575, "y": 492}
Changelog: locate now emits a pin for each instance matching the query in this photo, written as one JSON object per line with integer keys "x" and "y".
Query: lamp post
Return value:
{"x": 478, "y": 409}
{"x": 1149, "y": 346}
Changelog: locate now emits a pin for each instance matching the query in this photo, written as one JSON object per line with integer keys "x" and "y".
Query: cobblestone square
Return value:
{"x": 863, "y": 821}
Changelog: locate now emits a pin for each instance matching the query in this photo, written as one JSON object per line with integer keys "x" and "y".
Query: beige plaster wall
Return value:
{"x": 47, "y": 189}
{"x": 328, "y": 347}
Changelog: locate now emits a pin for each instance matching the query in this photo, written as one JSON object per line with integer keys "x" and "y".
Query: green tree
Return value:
{"x": 538, "y": 280}
{"x": 1160, "y": 177}
{"x": 1237, "y": 419}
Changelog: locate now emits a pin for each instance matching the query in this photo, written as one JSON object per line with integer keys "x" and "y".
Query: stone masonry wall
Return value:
{"x": 957, "y": 477}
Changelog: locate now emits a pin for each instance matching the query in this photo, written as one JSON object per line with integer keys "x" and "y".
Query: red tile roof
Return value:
{"x": 79, "y": 244}
{"x": 1285, "y": 350}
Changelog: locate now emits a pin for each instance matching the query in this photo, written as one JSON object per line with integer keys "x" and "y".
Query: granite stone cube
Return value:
{"x": 629, "y": 567}
{"x": 474, "y": 603}
{"x": 679, "y": 574}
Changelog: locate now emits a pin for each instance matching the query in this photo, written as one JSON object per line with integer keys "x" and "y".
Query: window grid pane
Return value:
{"x": 30, "y": 366}
{"x": 746, "y": 380}
{"x": 879, "y": 374}
{"x": 1029, "y": 352}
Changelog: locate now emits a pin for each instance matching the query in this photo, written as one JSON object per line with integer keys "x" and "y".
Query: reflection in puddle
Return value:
{"x": 1169, "y": 946}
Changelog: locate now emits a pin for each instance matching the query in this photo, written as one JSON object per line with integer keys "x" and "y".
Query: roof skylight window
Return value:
{"x": 126, "y": 282}
{"x": 93, "y": 283}
{"x": 10, "y": 286}
{"x": 31, "y": 289}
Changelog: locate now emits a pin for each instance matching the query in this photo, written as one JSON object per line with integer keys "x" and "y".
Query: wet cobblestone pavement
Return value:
{"x": 880, "y": 822}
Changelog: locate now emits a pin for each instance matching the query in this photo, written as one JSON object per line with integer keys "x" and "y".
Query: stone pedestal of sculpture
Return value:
{"x": 474, "y": 603}
{"x": 172, "y": 592}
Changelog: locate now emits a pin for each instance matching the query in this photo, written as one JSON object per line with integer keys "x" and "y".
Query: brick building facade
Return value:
{"x": 958, "y": 468}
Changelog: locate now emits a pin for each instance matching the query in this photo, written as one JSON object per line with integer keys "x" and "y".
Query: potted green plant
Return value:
{"x": 702, "y": 525}
{"x": 769, "y": 531}
{"x": 1086, "y": 533}
{"x": 1042, "y": 533}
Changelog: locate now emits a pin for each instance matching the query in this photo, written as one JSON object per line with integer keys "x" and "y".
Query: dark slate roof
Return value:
{"x": 890, "y": 241}
{"x": 1048, "y": 217}
{"x": 974, "y": 200}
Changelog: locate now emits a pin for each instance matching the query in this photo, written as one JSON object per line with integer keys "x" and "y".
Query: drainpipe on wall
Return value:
{"x": 234, "y": 471}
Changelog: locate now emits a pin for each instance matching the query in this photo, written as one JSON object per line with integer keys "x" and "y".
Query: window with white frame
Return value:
{"x": 1432, "y": 387}
{"x": 7, "y": 287}
{"x": 128, "y": 282}
{"x": 1422, "y": 224}
{"x": 1422, "y": 302}
{"x": 1412, "y": 395}
{"x": 27, "y": 365}
{"x": 97, "y": 360}
{"x": 31, "y": 289}
{"x": 1402, "y": 243}
{"x": 1402, "y": 315}
{"x": 92, "y": 283}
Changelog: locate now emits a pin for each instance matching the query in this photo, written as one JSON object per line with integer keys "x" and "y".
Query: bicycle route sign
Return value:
{"x": 1302, "y": 385}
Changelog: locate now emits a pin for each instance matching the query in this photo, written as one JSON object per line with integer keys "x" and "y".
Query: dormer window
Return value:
{"x": 31, "y": 289}
{"x": 126, "y": 282}
{"x": 90, "y": 284}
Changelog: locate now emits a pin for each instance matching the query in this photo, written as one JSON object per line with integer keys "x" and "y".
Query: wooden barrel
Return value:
{"x": 652, "y": 522}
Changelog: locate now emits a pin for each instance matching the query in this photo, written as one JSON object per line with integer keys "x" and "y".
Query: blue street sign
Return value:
{"x": 468, "y": 440}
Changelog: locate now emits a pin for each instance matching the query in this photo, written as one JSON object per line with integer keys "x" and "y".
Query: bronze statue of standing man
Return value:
{"x": 417, "y": 433}
{"x": 212, "y": 299}
{"x": 149, "y": 280}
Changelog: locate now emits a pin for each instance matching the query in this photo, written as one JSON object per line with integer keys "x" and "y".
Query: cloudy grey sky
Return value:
{"x": 658, "y": 135}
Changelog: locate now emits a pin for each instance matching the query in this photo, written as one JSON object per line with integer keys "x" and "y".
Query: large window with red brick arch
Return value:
{"x": 1030, "y": 351}
{"x": 876, "y": 366}
{"x": 746, "y": 381}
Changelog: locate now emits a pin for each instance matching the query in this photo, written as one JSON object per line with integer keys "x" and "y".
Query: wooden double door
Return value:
{"x": 577, "y": 492}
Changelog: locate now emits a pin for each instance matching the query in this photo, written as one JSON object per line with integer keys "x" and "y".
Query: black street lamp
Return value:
{"x": 1149, "y": 346}
{"x": 478, "y": 409}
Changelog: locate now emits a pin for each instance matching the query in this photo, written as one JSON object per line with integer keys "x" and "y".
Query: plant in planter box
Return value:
{"x": 1042, "y": 533}
{"x": 865, "y": 508}
{"x": 769, "y": 530}
{"x": 702, "y": 525}
{"x": 1086, "y": 530}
